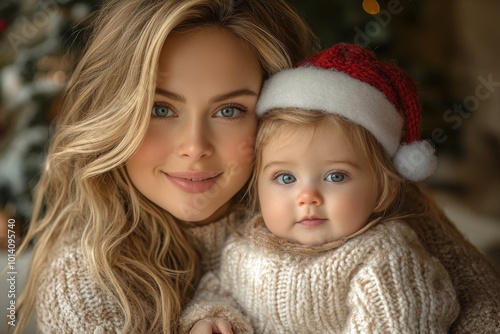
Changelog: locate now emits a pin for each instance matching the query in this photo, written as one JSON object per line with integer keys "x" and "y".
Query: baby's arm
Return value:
{"x": 402, "y": 290}
{"x": 213, "y": 305}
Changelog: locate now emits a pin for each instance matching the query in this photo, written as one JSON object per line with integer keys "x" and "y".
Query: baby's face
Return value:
{"x": 314, "y": 187}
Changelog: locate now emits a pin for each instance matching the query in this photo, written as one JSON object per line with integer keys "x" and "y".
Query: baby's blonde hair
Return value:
{"x": 283, "y": 123}
{"x": 136, "y": 251}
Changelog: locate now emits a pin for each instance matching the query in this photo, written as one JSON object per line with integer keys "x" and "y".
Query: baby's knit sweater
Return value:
{"x": 382, "y": 281}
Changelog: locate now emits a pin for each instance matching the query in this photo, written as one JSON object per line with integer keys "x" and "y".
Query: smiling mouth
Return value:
{"x": 193, "y": 182}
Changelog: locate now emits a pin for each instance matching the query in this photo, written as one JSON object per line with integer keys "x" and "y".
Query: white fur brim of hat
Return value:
{"x": 313, "y": 88}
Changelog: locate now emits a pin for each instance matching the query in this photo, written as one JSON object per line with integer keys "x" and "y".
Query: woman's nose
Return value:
{"x": 194, "y": 140}
{"x": 309, "y": 196}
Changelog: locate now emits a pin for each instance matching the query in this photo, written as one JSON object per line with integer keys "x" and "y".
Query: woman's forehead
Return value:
{"x": 208, "y": 51}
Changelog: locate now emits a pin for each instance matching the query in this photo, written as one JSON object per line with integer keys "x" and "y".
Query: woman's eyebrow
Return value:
{"x": 170, "y": 95}
{"x": 215, "y": 99}
{"x": 230, "y": 95}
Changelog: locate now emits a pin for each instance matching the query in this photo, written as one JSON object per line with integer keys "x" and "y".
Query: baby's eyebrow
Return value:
{"x": 345, "y": 162}
{"x": 274, "y": 163}
{"x": 279, "y": 163}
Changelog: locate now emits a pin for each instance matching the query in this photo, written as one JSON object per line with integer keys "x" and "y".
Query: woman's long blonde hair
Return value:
{"x": 85, "y": 191}
{"x": 392, "y": 187}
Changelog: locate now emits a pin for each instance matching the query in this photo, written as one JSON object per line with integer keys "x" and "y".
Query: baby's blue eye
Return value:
{"x": 229, "y": 112}
{"x": 286, "y": 178}
{"x": 161, "y": 111}
{"x": 335, "y": 177}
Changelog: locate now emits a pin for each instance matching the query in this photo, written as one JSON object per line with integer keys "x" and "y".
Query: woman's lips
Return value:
{"x": 193, "y": 182}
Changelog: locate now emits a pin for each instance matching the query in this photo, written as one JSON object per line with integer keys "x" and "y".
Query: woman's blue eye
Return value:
{"x": 335, "y": 177}
{"x": 161, "y": 111}
{"x": 286, "y": 178}
{"x": 229, "y": 112}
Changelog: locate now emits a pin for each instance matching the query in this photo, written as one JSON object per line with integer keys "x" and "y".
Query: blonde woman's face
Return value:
{"x": 198, "y": 150}
{"x": 314, "y": 187}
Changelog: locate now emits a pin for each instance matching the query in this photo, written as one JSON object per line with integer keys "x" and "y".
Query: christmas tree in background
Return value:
{"x": 35, "y": 37}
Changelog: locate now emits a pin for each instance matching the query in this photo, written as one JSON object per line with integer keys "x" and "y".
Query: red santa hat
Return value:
{"x": 349, "y": 81}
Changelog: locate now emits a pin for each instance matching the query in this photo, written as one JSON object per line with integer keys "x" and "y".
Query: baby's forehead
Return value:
{"x": 288, "y": 131}
{"x": 301, "y": 137}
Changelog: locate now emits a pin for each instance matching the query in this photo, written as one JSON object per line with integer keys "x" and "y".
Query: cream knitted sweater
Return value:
{"x": 69, "y": 301}
{"x": 381, "y": 281}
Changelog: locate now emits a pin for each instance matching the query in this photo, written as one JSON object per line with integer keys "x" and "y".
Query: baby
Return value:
{"x": 331, "y": 251}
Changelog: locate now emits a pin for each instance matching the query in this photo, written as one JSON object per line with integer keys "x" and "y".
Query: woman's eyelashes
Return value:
{"x": 162, "y": 110}
{"x": 229, "y": 112}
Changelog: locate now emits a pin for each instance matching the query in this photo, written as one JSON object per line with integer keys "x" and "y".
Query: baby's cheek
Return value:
{"x": 277, "y": 213}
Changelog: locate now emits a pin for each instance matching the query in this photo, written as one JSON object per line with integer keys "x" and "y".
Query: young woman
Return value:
{"x": 112, "y": 252}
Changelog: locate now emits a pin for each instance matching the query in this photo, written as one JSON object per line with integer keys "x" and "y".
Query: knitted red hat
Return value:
{"x": 349, "y": 81}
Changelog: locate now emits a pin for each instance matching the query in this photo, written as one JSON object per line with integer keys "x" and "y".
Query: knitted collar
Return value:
{"x": 257, "y": 231}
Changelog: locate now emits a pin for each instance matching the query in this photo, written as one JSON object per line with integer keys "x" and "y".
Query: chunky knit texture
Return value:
{"x": 69, "y": 300}
{"x": 382, "y": 281}
{"x": 475, "y": 278}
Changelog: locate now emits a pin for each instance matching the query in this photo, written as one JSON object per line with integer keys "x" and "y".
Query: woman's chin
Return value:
{"x": 200, "y": 217}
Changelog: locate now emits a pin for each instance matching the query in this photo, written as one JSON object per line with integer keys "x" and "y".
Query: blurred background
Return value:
{"x": 451, "y": 47}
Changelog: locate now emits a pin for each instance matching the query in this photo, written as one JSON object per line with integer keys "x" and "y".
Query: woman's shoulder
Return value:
{"x": 65, "y": 262}
{"x": 399, "y": 227}
{"x": 68, "y": 293}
